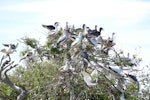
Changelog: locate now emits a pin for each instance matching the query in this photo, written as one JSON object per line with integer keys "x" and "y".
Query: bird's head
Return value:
{"x": 100, "y": 29}
{"x": 83, "y": 26}
{"x": 113, "y": 33}
{"x": 56, "y": 23}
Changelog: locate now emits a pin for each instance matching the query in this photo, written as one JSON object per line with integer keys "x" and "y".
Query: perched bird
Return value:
{"x": 96, "y": 41}
{"x": 10, "y": 48}
{"x": 66, "y": 67}
{"x": 52, "y": 28}
{"x": 127, "y": 59}
{"x": 122, "y": 97}
{"x": 67, "y": 26}
{"x": 113, "y": 70}
{"x": 94, "y": 75}
{"x": 78, "y": 40}
{"x": 84, "y": 54}
{"x": 29, "y": 55}
{"x": 110, "y": 41}
{"x": 132, "y": 77}
{"x": 85, "y": 30}
{"x": 63, "y": 37}
{"x": 95, "y": 32}
{"x": 73, "y": 36}
{"x": 116, "y": 72}
{"x": 87, "y": 78}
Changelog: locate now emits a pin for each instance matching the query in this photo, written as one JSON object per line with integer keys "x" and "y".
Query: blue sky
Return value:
{"x": 128, "y": 18}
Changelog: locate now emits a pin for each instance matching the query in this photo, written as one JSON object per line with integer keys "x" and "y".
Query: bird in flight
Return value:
{"x": 10, "y": 48}
{"x": 52, "y": 28}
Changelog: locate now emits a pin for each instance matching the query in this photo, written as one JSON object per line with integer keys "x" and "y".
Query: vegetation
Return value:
{"x": 44, "y": 78}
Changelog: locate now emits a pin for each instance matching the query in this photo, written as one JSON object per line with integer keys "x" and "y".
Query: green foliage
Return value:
{"x": 32, "y": 42}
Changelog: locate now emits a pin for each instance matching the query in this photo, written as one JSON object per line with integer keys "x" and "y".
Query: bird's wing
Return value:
{"x": 6, "y": 45}
{"x": 133, "y": 77}
{"x": 3, "y": 51}
{"x": 61, "y": 39}
{"x": 94, "y": 73}
{"x": 87, "y": 77}
{"x": 74, "y": 42}
{"x": 51, "y": 27}
{"x": 91, "y": 84}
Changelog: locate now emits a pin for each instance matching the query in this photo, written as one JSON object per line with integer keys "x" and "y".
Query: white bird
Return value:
{"x": 98, "y": 41}
{"x": 10, "y": 48}
{"x": 66, "y": 67}
{"x": 29, "y": 55}
{"x": 85, "y": 30}
{"x": 52, "y": 28}
{"x": 110, "y": 41}
{"x": 116, "y": 72}
{"x": 122, "y": 96}
{"x": 63, "y": 37}
{"x": 94, "y": 75}
{"x": 128, "y": 59}
{"x": 87, "y": 78}
{"x": 78, "y": 40}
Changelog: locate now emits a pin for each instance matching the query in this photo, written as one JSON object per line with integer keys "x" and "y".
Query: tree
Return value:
{"x": 6, "y": 66}
{"x": 77, "y": 64}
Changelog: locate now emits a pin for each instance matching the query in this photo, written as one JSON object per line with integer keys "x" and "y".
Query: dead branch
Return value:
{"x": 6, "y": 66}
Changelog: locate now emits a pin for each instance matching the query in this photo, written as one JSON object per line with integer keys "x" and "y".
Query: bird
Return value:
{"x": 127, "y": 59}
{"x": 73, "y": 35}
{"x": 87, "y": 78}
{"x": 29, "y": 55}
{"x": 85, "y": 55}
{"x": 116, "y": 72}
{"x": 67, "y": 26}
{"x": 95, "y": 32}
{"x": 85, "y": 30}
{"x": 66, "y": 67}
{"x": 132, "y": 77}
{"x": 94, "y": 75}
{"x": 63, "y": 37}
{"x": 113, "y": 70}
{"x": 52, "y": 28}
{"x": 109, "y": 42}
{"x": 10, "y": 48}
{"x": 78, "y": 39}
{"x": 95, "y": 41}
{"x": 122, "y": 97}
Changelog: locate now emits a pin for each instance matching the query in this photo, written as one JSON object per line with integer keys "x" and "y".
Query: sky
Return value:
{"x": 129, "y": 19}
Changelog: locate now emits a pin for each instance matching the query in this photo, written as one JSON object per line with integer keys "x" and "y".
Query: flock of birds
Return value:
{"x": 69, "y": 32}
{"x": 78, "y": 36}
{"x": 93, "y": 36}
